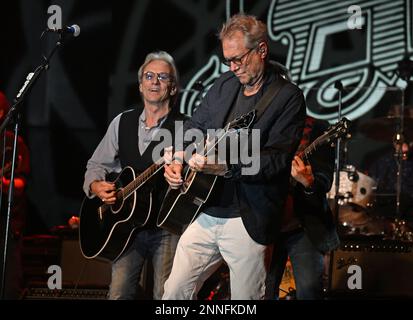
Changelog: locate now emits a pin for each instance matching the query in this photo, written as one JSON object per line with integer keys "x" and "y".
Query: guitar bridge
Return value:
{"x": 197, "y": 201}
{"x": 101, "y": 210}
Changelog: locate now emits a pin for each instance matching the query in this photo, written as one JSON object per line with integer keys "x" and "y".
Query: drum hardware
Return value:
{"x": 379, "y": 228}
{"x": 339, "y": 86}
{"x": 396, "y": 127}
{"x": 356, "y": 192}
{"x": 353, "y": 176}
{"x": 400, "y": 231}
{"x": 384, "y": 128}
{"x": 345, "y": 198}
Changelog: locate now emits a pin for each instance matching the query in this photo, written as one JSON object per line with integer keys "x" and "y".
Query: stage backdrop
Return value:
{"x": 93, "y": 77}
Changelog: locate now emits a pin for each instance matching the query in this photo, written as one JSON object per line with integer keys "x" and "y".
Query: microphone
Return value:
{"x": 73, "y": 29}
{"x": 198, "y": 86}
{"x": 338, "y": 85}
{"x": 405, "y": 68}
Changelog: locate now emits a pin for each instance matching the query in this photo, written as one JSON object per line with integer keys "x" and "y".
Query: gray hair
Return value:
{"x": 164, "y": 56}
{"x": 254, "y": 30}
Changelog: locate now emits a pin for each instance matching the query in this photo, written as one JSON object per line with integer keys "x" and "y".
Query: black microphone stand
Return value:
{"x": 339, "y": 86}
{"x": 14, "y": 115}
{"x": 405, "y": 71}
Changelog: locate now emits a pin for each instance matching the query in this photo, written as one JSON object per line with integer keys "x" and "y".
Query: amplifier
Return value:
{"x": 373, "y": 269}
{"x": 79, "y": 271}
{"x": 42, "y": 251}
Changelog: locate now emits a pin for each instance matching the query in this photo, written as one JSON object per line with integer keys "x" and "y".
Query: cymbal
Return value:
{"x": 385, "y": 128}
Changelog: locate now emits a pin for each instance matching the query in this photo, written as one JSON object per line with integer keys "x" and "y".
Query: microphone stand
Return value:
{"x": 14, "y": 114}
{"x": 405, "y": 70}
{"x": 339, "y": 86}
{"x": 399, "y": 157}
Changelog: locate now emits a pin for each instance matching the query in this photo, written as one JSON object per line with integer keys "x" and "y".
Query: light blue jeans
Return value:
{"x": 202, "y": 248}
{"x": 156, "y": 244}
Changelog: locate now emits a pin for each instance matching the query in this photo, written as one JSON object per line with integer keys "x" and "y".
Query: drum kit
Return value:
{"x": 358, "y": 195}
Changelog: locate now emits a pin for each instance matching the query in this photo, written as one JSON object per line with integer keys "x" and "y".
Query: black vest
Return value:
{"x": 129, "y": 154}
{"x": 129, "y": 143}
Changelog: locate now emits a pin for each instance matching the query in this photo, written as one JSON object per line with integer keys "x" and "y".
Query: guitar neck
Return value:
{"x": 335, "y": 132}
{"x": 313, "y": 146}
{"x": 142, "y": 178}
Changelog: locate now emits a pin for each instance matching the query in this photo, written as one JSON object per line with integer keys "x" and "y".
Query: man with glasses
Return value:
{"x": 128, "y": 142}
{"x": 243, "y": 213}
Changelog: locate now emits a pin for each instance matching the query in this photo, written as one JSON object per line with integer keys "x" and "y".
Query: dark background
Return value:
{"x": 93, "y": 78}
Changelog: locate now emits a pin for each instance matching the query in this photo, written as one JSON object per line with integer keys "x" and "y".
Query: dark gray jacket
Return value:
{"x": 261, "y": 196}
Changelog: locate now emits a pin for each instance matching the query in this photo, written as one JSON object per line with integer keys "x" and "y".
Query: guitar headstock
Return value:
{"x": 338, "y": 130}
{"x": 243, "y": 122}
{"x": 334, "y": 132}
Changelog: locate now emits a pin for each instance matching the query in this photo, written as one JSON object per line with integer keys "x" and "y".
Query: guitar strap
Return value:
{"x": 272, "y": 91}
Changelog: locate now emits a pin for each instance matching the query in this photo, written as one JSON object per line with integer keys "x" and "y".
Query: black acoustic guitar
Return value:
{"x": 181, "y": 206}
{"x": 105, "y": 230}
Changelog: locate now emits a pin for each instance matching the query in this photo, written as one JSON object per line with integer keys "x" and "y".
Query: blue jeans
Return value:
{"x": 307, "y": 263}
{"x": 156, "y": 244}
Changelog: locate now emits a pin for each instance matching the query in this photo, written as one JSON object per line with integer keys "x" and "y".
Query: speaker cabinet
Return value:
{"x": 81, "y": 272}
{"x": 82, "y": 279}
{"x": 373, "y": 269}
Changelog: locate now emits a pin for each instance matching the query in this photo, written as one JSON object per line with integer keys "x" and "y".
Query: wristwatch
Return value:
{"x": 309, "y": 190}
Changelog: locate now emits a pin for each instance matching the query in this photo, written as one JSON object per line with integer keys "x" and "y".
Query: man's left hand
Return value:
{"x": 200, "y": 163}
{"x": 302, "y": 172}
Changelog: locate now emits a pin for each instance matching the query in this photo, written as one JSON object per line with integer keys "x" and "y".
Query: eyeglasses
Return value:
{"x": 237, "y": 61}
{"x": 162, "y": 76}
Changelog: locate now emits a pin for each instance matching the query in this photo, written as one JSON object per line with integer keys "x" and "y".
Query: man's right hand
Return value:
{"x": 173, "y": 174}
{"x": 173, "y": 167}
{"x": 104, "y": 190}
